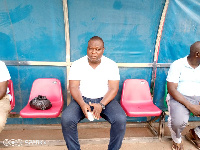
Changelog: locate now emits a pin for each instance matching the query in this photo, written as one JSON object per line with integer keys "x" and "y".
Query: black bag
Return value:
{"x": 40, "y": 103}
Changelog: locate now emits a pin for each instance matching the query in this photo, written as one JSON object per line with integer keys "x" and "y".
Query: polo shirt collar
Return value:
{"x": 102, "y": 61}
{"x": 186, "y": 64}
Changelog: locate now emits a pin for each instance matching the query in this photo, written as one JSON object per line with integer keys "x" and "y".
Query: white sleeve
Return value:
{"x": 174, "y": 72}
{"x": 4, "y": 73}
{"x": 114, "y": 73}
{"x": 74, "y": 73}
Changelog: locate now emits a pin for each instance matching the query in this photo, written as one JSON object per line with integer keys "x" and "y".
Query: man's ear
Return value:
{"x": 197, "y": 54}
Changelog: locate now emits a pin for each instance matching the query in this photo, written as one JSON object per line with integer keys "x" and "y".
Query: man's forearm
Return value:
{"x": 109, "y": 96}
{"x": 76, "y": 94}
{"x": 113, "y": 87}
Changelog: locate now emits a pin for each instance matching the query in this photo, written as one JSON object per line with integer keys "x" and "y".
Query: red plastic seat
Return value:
{"x": 136, "y": 100}
{"x": 10, "y": 86}
{"x": 51, "y": 88}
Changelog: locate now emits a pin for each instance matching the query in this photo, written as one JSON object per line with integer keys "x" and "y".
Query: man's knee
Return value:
{"x": 121, "y": 120}
{"x": 67, "y": 120}
{"x": 179, "y": 124}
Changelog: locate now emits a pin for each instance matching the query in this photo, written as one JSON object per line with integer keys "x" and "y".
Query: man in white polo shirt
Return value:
{"x": 94, "y": 83}
{"x": 4, "y": 97}
{"x": 183, "y": 83}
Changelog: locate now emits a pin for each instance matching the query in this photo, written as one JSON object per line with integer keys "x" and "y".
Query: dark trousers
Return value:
{"x": 113, "y": 113}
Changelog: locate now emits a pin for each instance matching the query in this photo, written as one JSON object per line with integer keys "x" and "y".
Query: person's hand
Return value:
{"x": 85, "y": 108}
{"x": 195, "y": 109}
{"x": 97, "y": 110}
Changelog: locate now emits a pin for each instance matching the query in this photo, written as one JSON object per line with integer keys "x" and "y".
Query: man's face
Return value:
{"x": 95, "y": 51}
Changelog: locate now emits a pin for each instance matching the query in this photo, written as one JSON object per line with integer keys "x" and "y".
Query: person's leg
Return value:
{"x": 178, "y": 119}
{"x": 197, "y": 129}
{"x": 116, "y": 116}
{"x": 4, "y": 110}
{"x": 194, "y": 134}
{"x": 71, "y": 116}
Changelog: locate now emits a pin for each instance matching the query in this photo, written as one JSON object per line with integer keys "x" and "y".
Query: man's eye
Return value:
{"x": 96, "y": 49}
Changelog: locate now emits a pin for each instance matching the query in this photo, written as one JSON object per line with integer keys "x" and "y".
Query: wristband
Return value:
{"x": 102, "y": 105}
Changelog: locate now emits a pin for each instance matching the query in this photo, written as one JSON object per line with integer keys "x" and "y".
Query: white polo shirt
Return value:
{"x": 94, "y": 82}
{"x": 4, "y": 73}
{"x": 188, "y": 78}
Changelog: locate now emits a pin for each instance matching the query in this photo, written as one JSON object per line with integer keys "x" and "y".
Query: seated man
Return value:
{"x": 4, "y": 98}
{"x": 94, "y": 83}
{"x": 183, "y": 83}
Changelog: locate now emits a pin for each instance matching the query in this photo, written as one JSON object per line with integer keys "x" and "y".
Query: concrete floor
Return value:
{"x": 93, "y": 136}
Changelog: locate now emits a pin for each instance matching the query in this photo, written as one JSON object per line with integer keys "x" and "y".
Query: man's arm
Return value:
{"x": 76, "y": 94}
{"x": 113, "y": 86}
{"x": 3, "y": 89}
{"x": 172, "y": 90}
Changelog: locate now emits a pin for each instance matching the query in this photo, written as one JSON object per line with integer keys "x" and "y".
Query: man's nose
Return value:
{"x": 94, "y": 50}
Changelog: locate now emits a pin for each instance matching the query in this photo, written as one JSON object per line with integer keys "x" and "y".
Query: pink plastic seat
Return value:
{"x": 136, "y": 100}
{"x": 10, "y": 86}
{"x": 51, "y": 88}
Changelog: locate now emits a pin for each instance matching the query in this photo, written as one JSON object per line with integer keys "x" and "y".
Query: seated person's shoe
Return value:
{"x": 193, "y": 138}
{"x": 177, "y": 146}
